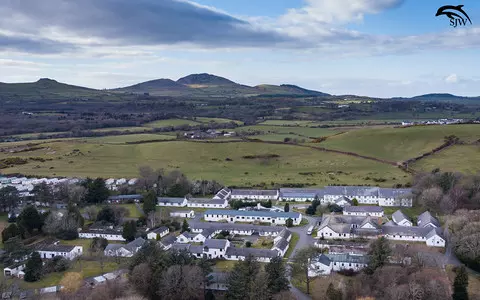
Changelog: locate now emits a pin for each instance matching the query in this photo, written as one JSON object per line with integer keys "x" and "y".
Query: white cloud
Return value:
{"x": 452, "y": 78}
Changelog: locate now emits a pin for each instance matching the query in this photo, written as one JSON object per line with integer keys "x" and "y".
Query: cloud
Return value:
{"x": 452, "y": 78}
{"x": 33, "y": 45}
{"x": 126, "y": 22}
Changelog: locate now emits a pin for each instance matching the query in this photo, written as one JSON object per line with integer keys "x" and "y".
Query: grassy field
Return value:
{"x": 305, "y": 131}
{"x": 287, "y": 123}
{"x": 131, "y": 129}
{"x": 459, "y": 158}
{"x": 122, "y": 139}
{"x": 132, "y": 210}
{"x": 171, "y": 122}
{"x": 411, "y": 212}
{"x": 278, "y": 137}
{"x": 216, "y": 120}
{"x": 399, "y": 144}
{"x": 87, "y": 268}
{"x": 293, "y": 243}
{"x": 224, "y": 265}
{"x": 207, "y": 161}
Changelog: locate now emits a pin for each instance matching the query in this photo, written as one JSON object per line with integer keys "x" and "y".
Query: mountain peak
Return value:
{"x": 204, "y": 79}
{"x": 46, "y": 80}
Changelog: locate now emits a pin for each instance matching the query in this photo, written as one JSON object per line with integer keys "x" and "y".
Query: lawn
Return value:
{"x": 399, "y": 144}
{"x": 411, "y": 212}
{"x": 293, "y": 243}
{"x": 263, "y": 243}
{"x": 132, "y": 210}
{"x": 224, "y": 265}
{"x": 459, "y": 158}
{"x": 88, "y": 269}
{"x": 294, "y": 164}
{"x": 171, "y": 122}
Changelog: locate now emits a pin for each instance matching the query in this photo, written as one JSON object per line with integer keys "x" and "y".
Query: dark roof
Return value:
{"x": 281, "y": 244}
{"x": 408, "y": 231}
{"x": 365, "y": 191}
{"x": 253, "y": 213}
{"x": 56, "y": 248}
{"x": 138, "y": 242}
{"x": 394, "y": 193}
{"x": 254, "y": 192}
{"x": 323, "y": 259}
{"x": 348, "y": 258}
{"x": 102, "y": 231}
{"x": 180, "y": 246}
{"x": 426, "y": 218}
{"x": 168, "y": 240}
{"x": 160, "y": 229}
{"x": 251, "y": 251}
{"x": 207, "y": 232}
{"x": 215, "y": 244}
{"x": 223, "y": 194}
{"x": 170, "y": 200}
{"x": 364, "y": 208}
{"x": 285, "y": 233}
{"x": 196, "y": 249}
{"x": 300, "y": 193}
{"x": 125, "y": 197}
{"x": 232, "y": 226}
{"x": 399, "y": 216}
{"x": 218, "y": 277}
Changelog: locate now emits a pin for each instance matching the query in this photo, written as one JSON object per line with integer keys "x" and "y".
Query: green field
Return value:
{"x": 287, "y": 123}
{"x": 399, "y": 144}
{"x": 131, "y": 129}
{"x": 216, "y": 120}
{"x": 278, "y": 137}
{"x": 459, "y": 158}
{"x": 295, "y": 164}
{"x": 122, "y": 139}
{"x": 171, "y": 122}
{"x": 305, "y": 131}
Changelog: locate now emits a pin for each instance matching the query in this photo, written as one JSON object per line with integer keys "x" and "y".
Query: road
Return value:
{"x": 303, "y": 241}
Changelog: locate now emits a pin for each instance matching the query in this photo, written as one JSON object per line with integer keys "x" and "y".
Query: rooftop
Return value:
{"x": 426, "y": 218}
{"x": 125, "y": 197}
{"x": 254, "y": 192}
{"x": 251, "y": 251}
{"x": 399, "y": 216}
{"x": 215, "y": 244}
{"x": 160, "y": 229}
{"x": 57, "y": 248}
{"x": 170, "y": 200}
{"x": 253, "y": 213}
{"x": 364, "y": 208}
{"x": 206, "y": 201}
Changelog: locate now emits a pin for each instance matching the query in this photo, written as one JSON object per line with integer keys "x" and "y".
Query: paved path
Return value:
{"x": 303, "y": 241}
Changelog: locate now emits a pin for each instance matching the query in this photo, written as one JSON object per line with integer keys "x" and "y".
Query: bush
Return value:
{"x": 248, "y": 244}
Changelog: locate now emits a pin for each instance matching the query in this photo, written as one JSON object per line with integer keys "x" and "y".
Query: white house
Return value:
{"x": 369, "y": 195}
{"x": 347, "y": 227}
{"x": 207, "y": 203}
{"x": 182, "y": 214}
{"x": 111, "y": 235}
{"x": 374, "y": 211}
{"x": 254, "y": 195}
{"x": 215, "y": 248}
{"x": 262, "y": 255}
{"x": 300, "y": 195}
{"x": 69, "y": 252}
{"x": 158, "y": 233}
{"x": 124, "y": 250}
{"x": 400, "y": 219}
{"x": 431, "y": 236}
{"x": 231, "y": 216}
{"x": 167, "y": 242}
{"x": 15, "y": 270}
{"x": 324, "y": 264}
{"x": 175, "y": 202}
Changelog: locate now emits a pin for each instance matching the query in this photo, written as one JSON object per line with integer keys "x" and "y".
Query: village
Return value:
{"x": 264, "y": 228}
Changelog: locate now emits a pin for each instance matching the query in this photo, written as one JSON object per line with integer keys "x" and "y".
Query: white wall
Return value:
{"x": 363, "y": 213}
{"x": 328, "y": 233}
{"x": 77, "y": 251}
{"x": 232, "y": 219}
{"x": 110, "y": 237}
{"x": 153, "y": 235}
{"x": 436, "y": 241}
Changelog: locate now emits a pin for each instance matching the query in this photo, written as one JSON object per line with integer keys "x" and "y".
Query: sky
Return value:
{"x": 378, "y": 48}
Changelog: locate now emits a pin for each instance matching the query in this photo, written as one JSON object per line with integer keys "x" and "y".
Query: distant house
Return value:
{"x": 67, "y": 251}
{"x": 426, "y": 219}
{"x": 324, "y": 264}
{"x": 182, "y": 214}
{"x": 176, "y": 202}
{"x": 231, "y": 216}
{"x": 207, "y": 203}
{"x": 374, "y": 211}
{"x": 124, "y": 250}
{"x": 400, "y": 219}
{"x": 215, "y": 248}
{"x": 369, "y": 195}
{"x": 158, "y": 233}
{"x": 124, "y": 198}
{"x": 254, "y": 194}
{"x": 431, "y": 236}
{"x": 109, "y": 234}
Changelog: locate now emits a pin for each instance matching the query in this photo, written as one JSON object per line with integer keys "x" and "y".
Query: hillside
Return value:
{"x": 287, "y": 89}
{"x": 157, "y": 87}
{"x": 205, "y": 80}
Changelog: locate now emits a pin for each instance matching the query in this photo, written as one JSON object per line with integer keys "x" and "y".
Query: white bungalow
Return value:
{"x": 373, "y": 211}
{"x": 400, "y": 219}
{"x": 124, "y": 250}
{"x": 69, "y": 252}
{"x": 182, "y": 214}
{"x": 262, "y": 255}
{"x": 254, "y": 195}
{"x": 15, "y": 270}
{"x": 207, "y": 203}
{"x": 111, "y": 235}
{"x": 175, "y": 202}
{"x": 324, "y": 264}
{"x": 158, "y": 233}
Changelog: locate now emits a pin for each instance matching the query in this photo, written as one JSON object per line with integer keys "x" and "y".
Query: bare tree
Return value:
{"x": 181, "y": 283}
{"x": 91, "y": 212}
{"x": 141, "y": 280}
{"x": 431, "y": 197}
{"x": 153, "y": 218}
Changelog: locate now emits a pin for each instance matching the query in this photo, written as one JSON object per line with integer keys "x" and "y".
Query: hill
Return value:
{"x": 44, "y": 88}
{"x": 287, "y": 89}
{"x": 205, "y": 79}
{"x": 156, "y": 87}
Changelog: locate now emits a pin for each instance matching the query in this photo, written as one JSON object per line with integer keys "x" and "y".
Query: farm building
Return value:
{"x": 176, "y": 202}
{"x": 426, "y": 219}
{"x": 291, "y": 194}
{"x": 369, "y": 195}
{"x": 431, "y": 236}
{"x": 324, "y": 264}
{"x": 67, "y": 251}
{"x": 231, "y": 216}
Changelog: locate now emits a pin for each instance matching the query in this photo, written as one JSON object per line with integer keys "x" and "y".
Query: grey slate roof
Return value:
{"x": 394, "y": 193}
{"x": 352, "y": 191}
{"x": 300, "y": 193}
{"x": 426, "y": 218}
{"x": 323, "y": 259}
{"x": 390, "y": 223}
{"x": 125, "y": 197}
{"x": 232, "y": 226}
{"x": 285, "y": 233}
{"x": 215, "y": 244}
{"x": 138, "y": 242}
{"x": 168, "y": 240}
{"x": 218, "y": 277}
{"x": 434, "y": 231}
{"x": 408, "y": 231}
{"x": 56, "y": 248}
{"x": 364, "y": 208}
{"x": 160, "y": 229}
{"x": 222, "y": 194}
{"x": 114, "y": 247}
{"x": 251, "y": 251}
{"x": 253, "y": 213}
{"x": 281, "y": 244}
{"x": 399, "y": 216}
{"x": 196, "y": 249}
{"x": 369, "y": 220}
{"x": 254, "y": 192}
{"x": 207, "y": 232}
{"x": 180, "y": 246}
{"x": 348, "y": 258}
{"x": 170, "y": 200}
